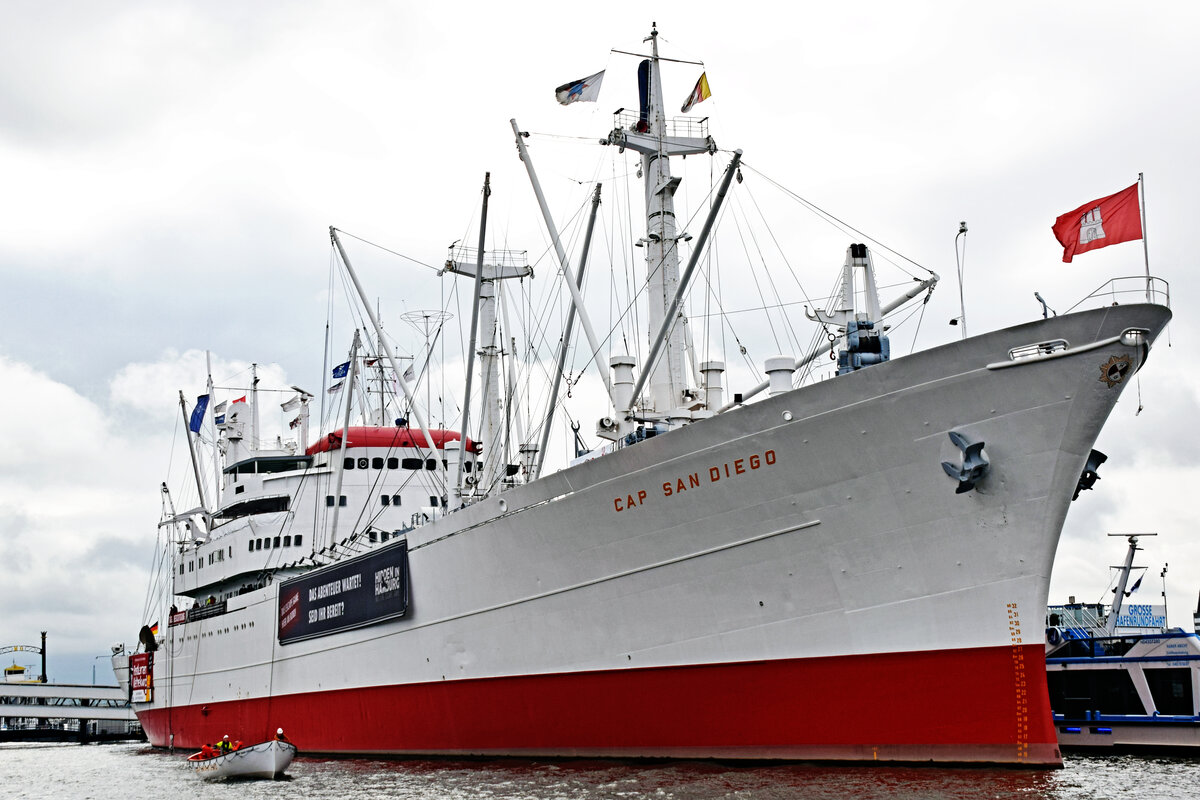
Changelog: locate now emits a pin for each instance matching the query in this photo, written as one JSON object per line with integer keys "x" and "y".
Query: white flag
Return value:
{"x": 409, "y": 374}
{"x": 585, "y": 89}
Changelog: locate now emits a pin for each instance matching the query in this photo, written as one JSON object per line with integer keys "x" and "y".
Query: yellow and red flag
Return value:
{"x": 699, "y": 94}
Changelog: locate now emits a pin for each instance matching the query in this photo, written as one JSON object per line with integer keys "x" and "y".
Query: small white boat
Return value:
{"x": 266, "y": 760}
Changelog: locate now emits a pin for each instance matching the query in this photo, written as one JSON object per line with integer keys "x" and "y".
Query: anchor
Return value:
{"x": 974, "y": 463}
{"x": 1088, "y": 478}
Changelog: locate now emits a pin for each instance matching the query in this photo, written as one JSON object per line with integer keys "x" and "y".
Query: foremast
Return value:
{"x": 654, "y": 138}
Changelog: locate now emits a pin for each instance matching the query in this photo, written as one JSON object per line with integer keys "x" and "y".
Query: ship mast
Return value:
{"x": 655, "y": 140}
{"x": 667, "y": 378}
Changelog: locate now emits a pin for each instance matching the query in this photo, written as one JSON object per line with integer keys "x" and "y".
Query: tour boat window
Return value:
{"x": 395, "y": 499}
{"x": 1171, "y": 689}
{"x": 373, "y": 536}
{"x": 348, "y": 463}
{"x": 287, "y": 541}
{"x": 251, "y": 543}
{"x": 342, "y": 501}
{"x": 376, "y": 463}
{"x": 258, "y": 544}
{"x": 363, "y": 463}
{"x": 430, "y": 464}
{"x": 298, "y": 539}
{"x": 393, "y": 463}
{"x": 411, "y": 463}
{"x": 276, "y": 541}
{"x": 384, "y": 499}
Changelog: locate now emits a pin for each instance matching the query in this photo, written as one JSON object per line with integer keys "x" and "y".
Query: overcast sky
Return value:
{"x": 170, "y": 171}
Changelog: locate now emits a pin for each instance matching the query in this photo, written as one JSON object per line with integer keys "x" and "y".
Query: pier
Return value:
{"x": 66, "y": 713}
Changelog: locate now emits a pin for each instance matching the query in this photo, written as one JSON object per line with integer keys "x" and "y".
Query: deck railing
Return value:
{"x": 1131, "y": 289}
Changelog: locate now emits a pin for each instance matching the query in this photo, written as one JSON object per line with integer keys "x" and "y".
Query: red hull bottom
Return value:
{"x": 983, "y": 705}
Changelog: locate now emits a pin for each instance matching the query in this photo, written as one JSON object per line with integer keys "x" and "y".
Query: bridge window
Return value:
{"x": 251, "y": 543}
{"x": 276, "y": 541}
{"x": 298, "y": 539}
{"x": 384, "y": 500}
{"x": 395, "y": 499}
{"x": 342, "y": 501}
{"x": 329, "y": 500}
{"x": 258, "y": 544}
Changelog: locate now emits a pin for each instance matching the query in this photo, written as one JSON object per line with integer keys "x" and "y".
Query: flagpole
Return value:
{"x": 1145, "y": 246}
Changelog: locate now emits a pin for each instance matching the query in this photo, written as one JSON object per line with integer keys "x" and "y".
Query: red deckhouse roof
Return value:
{"x": 388, "y": 437}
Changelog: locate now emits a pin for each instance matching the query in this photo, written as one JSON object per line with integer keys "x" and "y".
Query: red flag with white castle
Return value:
{"x": 1109, "y": 220}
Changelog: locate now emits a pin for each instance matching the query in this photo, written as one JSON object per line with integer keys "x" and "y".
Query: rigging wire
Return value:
{"x": 835, "y": 221}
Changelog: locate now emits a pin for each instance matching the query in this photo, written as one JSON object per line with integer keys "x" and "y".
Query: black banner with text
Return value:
{"x": 362, "y": 591}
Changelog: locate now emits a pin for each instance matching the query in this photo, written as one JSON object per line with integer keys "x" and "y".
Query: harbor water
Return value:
{"x": 75, "y": 772}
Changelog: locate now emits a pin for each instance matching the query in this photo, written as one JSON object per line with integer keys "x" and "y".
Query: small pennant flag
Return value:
{"x": 294, "y": 423}
{"x": 586, "y": 90}
{"x": 337, "y": 387}
{"x": 241, "y": 399}
{"x": 409, "y": 374}
{"x": 341, "y": 370}
{"x": 699, "y": 94}
{"x": 154, "y": 629}
{"x": 1136, "y": 584}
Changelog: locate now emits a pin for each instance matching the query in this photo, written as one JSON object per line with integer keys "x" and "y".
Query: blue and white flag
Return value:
{"x": 341, "y": 370}
{"x": 585, "y": 89}
{"x": 197, "y": 418}
{"x": 1136, "y": 584}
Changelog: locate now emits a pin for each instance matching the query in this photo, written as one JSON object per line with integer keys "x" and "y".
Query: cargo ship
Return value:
{"x": 780, "y": 574}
